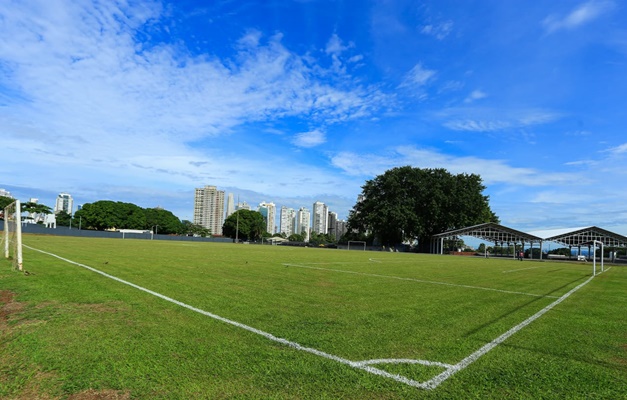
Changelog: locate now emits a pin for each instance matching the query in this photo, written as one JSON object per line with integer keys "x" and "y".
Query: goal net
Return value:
{"x": 12, "y": 234}
{"x": 356, "y": 245}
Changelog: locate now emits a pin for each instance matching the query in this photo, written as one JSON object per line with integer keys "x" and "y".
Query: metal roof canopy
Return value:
{"x": 585, "y": 236}
{"x": 489, "y": 232}
{"x": 574, "y": 237}
{"x": 492, "y": 232}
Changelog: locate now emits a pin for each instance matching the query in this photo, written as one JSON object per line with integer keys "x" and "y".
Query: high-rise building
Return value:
{"x": 268, "y": 210}
{"x": 209, "y": 209}
{"x": 303, "y": 226}
{"x": 320, "y": 216}
{"x": 288, "y": 221}
{"x": 332, "y": 224}
{"x": 64, "y": 203}
{"x": 243, "y": 206}
{"x": 341, "y": 228}
{"x": 230, "y": 205}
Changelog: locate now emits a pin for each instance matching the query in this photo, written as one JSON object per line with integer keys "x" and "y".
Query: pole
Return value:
{"x": 594, "y": 256}
{"x": 237, "y": 222}
{"x": 18, "y": 233}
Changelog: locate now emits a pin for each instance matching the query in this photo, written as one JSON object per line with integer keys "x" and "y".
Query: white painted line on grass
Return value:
{"x": 363, "y": 365}
{"x": 433, "y": 383}
{"x": 405, "y": 361}
{"x": 522, "y": 269}
{"x": 420, "y": 281}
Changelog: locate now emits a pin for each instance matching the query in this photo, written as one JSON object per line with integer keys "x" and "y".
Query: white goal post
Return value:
{"x": 12, "y": 234}
{"x": 359, "y": 244}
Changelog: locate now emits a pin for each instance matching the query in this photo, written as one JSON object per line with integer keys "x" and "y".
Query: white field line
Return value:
{"x": 522, "y": 269}
{"x": 436, "y": 381}
{"x": 420, "y": 281}
{"x": 365, "y": 365}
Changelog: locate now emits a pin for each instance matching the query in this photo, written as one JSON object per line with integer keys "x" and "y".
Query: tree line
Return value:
{"x": 404, "y": 205}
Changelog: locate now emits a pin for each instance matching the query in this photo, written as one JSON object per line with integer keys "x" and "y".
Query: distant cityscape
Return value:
{"x": 210, "y": 212}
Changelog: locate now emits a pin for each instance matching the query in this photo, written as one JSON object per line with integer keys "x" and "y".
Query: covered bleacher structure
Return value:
{"x": 505, "y": 237}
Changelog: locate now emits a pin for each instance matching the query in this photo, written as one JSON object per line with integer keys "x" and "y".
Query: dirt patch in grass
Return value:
{"x": 8, "y": 306}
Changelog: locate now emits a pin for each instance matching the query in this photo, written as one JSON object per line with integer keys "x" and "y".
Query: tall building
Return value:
{"x": 268, "y": 210}
{"x": 320, "y": 216}
{"x": 288, "y": 221}
{"x": 209, "y": 209}
{"x": 303, "y": 225}
{"x": 332, "y": 224}
{"x": 230, "y": 206}
{"x": 243, "y": 206}
{"x": 64, "y": 203}
{"x": 341, "y": 228}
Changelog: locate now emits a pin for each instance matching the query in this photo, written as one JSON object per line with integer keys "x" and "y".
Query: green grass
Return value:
{"x": 68, "y": 329}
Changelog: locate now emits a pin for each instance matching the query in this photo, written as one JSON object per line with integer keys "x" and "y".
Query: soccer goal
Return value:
{"x": 12, "y": 234}
{"x": 356, "y": 245}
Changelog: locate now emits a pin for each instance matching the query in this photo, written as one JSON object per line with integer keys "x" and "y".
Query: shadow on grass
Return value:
{"x": 520, "y": 307}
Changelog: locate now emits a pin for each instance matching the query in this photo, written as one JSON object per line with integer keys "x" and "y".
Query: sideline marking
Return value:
{"x": 435, "y": 382}
{"x": 521, "y": 269}
{"x": 365, "y": 365}
{"x": 420, "y": 280}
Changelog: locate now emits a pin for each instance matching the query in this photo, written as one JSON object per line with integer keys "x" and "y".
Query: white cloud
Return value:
{"x": 477, "y": 126}
{"x": 492, "y": 171}
{"x": 475, "y": 95}
{"x": 621, "y": 149}
{"x": 528, "y": 198}
{"x": 91, "y": 72}
{"x": 95, "y": 110}
{"x": 439, "y": 31}
{"x": 309, "y": 139}
{"x": 356, "y": 58}
{"x": 581, "y": 15}
{"x": 354, "y": 164}
{"x": 418, "y": 76}
{"x": 336, "y": 46}
{"x": 492, "y": 120}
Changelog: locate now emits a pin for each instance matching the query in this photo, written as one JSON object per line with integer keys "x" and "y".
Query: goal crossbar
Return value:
{"x": 357, "y": 243}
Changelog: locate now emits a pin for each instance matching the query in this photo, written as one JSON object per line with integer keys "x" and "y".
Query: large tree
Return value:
{"x": 5, "y": 201}
{"x": 407, "y": 204}
{"x": 106, "y": 214}
{"x": 245, "y": 225}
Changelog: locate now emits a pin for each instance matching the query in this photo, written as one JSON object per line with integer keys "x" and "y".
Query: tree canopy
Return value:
{"x": 35, "y": 208}
{"x": 407, "y": 204}
{"x": 5, "y": 201}
{"x": 107, "y": 214}
{"x": 245, "y": 224}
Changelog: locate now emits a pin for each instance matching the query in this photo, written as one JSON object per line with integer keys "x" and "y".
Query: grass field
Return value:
{"x": 186, "y": 320}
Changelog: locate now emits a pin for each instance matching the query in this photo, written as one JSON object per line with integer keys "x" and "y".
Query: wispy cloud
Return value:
{"x": 621, "y": 149}
{"x": 475, "y": 95}
{"x": 491, "y": 120}
{"x": 493, "y": 171}
{"x": 309, "y": 139}
{"x": 439, "y": 31}
{"x": 418, "y": 76}
{"x": 582, "y": 14}
{"x": 336, "y": 46}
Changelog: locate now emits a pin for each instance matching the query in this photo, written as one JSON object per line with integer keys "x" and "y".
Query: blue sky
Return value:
{"x": 299, "y": 101}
